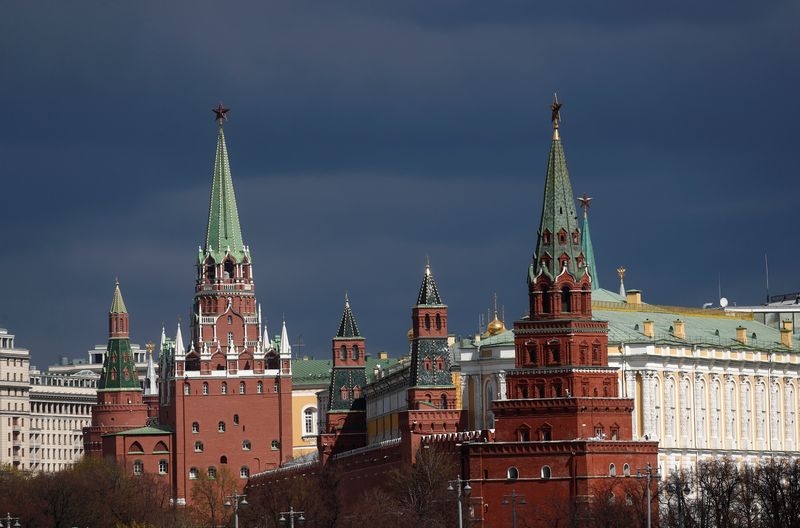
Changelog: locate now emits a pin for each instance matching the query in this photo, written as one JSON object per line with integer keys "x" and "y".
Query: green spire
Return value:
{"x": 558, "y": 229}
{"x": 117, "y": 304}
{"x": 586, "y": 242}
{"x": 428, "y": 292}
{"x": 348, "y": 326}
{"x": 223, "y": 233}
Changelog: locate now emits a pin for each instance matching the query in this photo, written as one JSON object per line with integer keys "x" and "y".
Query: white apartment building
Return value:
{"x": 14, "y": 404}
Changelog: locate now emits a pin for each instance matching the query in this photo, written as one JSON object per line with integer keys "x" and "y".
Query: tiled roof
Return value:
{"x": 428, "y": 292}
{"x": 317, "y": 372}
{"x": 348, "y": 326}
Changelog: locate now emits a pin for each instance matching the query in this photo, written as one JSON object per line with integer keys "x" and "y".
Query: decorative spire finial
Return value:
{"x": 495, "y": 305}
{"x": 150, "y": 346}
{"x": 221, "y": 113}
{"x": 555, "y": 114}
{"x": 427, "y": 265}
{"x": 621, "y": 272}
{"x": 346, "y": 299}
{"x": 586, "y": 202}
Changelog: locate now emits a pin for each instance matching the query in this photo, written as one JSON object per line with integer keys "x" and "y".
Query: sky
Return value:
{"x": 364, "y": 136}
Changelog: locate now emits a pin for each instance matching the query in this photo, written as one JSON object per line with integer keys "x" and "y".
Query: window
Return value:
{"x": 193, "y": 473}
{"x": 546, "y": 237}
{"x": 195, "y": 427}
{"x": 443, "y": 401}
{"x": 612, "y": 470}
{"x": 344, "y": 393}
{"x": 230, "y": 337}
{"x": 343, "y": 352}
{"x": 198, "y": 447}
{"x": 260, "y": 388}
{"x": 598, "y": 431}
{"x": 626, "y": 470}
{"x": 438, "y": 322}
{"x": 275, "y": 445}
{"x": 547, "y": 433}
{"x": 566, "y": 300}
{"x": 545, "y": 300}
{"x": 235, "y": 419}
{"x": 356, "y": 392}
{"x": 228, "y": 269}
{"x": 513, "y": 473}
{"x": 221, "y": 427}
{"x": 212, "y": 472}
{"x": 186, "y": 389}
{"x": 138, "y": 467}
{"x": 162, "y": 467}
{"x": 309, "y": 421}
{"x": 223, "y": 459}
{"x": 245, "y": 445}
{"x": 136, "y": 447}
{"x": 230, "y": 320}
{"x": 356, "y": 352}
{"x": 224, "y": 389}
{"x": 546, "y": 472}
{"x": 241, "y": 387}
{"x": 205, "y": 389}
{"x": 244, "y": 472}
{"x": 427, "y": 322}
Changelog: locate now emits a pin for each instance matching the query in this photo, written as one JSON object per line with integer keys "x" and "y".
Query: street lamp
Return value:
{"x": 236, "y": 500}
{"x": 514, "y": 499}
{"x": 680, "y": 491}
{"x": 8, "y": 520}
{"x": 292, "y": 514}
{"x": 649, "y": 473}
{"x": 460, "y": 491}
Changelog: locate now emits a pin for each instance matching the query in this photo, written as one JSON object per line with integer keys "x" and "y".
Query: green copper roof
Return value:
{"x": 559, "y": 218}
{"x": 317, "y": 372}
{"x": 119, "y": 370}
{"x": 117, "y": 304}
{"x": 588, "y": 251}
{"x": 348, "y": 326}
{"x": 148, "y": 430}
{"x": 223, "y": 231}
{"x": 428, "y": 293}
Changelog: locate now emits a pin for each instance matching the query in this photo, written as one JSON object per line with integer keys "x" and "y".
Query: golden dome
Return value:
{"x": 495, "y": 327}
{"x": 410, "y": 334}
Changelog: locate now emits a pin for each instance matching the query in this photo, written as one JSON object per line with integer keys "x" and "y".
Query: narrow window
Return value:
{"x": 245, "y": 445}
{"x": 186, "y": 389}
{"x": 162, "y": 467}
{"x": 241, "y": 387}
{"x": 195, "y": 427}
{"x": 235, "y": 419}
{"x": 356, "y": 392}
{"x": 309, "y": 421}
{"x": 230, "y": 320}
{"x": 205, "y": 389}
{"x": 545, "y": 300}
{"x": 260, "y": 388}
{"x": 212, "y": 472}
{"x": 138, "y": 467}
{"x": 512, "y": 473}
{"x": 612, "y": 470}
{"x": 545, "y": 472}
{"x": 224, "y": 388}
{"x": 444, "y": 401}
{"x": 626, "y": 470}
{"x": 566, "y": 300}
{"x": 438, "y": 322}
{"x": 229, "y": 269}
{"x": 193, "y": 473}
{"x": 343, "y": 352}
{"x": 221, "y": 427}
{"x": 356, "y": 352}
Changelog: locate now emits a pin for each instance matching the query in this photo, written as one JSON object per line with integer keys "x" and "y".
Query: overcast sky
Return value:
{"x": 366, "y": 135}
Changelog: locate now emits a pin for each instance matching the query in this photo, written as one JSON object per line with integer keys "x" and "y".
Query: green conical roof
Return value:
{"x": 223, "y": 233}
{"x": 348, "y": 326}
{"x": 559, "y": 219}
{"x": 117, "y": 304}
{"x": 119, "y": 369}
{"x": 428, "y": 292}
{"x": 588, "y": 251}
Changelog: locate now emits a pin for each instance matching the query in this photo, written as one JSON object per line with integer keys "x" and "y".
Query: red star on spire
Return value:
{"x": 585, "y": 202}
{"x": 221, "y": 112}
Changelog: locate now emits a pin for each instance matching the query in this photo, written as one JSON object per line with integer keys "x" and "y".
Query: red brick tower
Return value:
{"x": 119, "y": 397}
{"x": 229, "y": 399}
{"x": 346, "y": 425}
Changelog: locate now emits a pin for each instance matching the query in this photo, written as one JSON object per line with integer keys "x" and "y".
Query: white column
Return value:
{"x": 647, "y": 402}
{"x": 501, "y": 378}
{"x": 630, "y": 392}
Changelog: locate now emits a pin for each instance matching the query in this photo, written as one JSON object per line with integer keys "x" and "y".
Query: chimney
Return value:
{"x": 786, "y": 325}
{"x": 679, "y": 329}
{"x": 383, "y": 355}
{"x": 634, "y": 296}
{"x": 786, "y": 334}
{"x": 649, "y": 329}
{"x": 741, "y": 334}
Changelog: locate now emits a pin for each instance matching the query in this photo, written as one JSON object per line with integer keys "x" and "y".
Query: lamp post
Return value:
{"x": 8, "y": 520}
{"x": 236, "y": 500}
{"x": 649, "y": 473}
{"x": 514, "y": 499}
{"x": 680, "y": 491}
{"x": 292, "y": 514}
{"x": 460, "y": 491}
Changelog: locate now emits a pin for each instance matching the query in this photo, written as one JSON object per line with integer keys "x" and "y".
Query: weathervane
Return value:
{"x": 222, "y": 113}
{"x": 586, "y": 202}
{"x": 555, "y": 111}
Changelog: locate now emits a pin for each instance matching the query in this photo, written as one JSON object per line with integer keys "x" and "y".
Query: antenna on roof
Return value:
{"x": 766, "y": 268}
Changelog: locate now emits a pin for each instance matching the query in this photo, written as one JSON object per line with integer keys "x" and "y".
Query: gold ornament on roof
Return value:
{"x": 621, "y": 272}
{"x": 410, "y": 334}
{"x": 496, "y": 326}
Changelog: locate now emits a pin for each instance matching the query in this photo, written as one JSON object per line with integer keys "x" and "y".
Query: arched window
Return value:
{"x": 136, "y": 447}
{"x": 626, "y": 470}
{"x": 245, "y": 445}
{"x": 163, "y": 466}
{"x": 244, "y": 472}
{"x": 230, "y": 320}
{"x": 221, "y": 427}
{"x": 235, "y": 419}
{"x": 223, "y": 459}
{"x": 212, "y": 472}
{"x": 224, "y": 388}
{"x": 205, "y": 389}
{"x": 444, "y": 401}
{"x": 343, "y": 352}
{"x": 546, "y": 472}
{"x": 438, "y": 322}
{"x": 195, "y": 427}
{"x": 427, "y": 322}
{"x": 241, "y": 387}
{"x": 259, "y": 387}
{"x": 612, "y": 470}
{"x": 187, "y": 389}
{"x": 355, "y": 352}
{"x": 198, "y": 447}
{"x": 193, "y": 473}
{"x": 138, "y": 467}
{"x": 230, "y": 337}
{"x": 310, "y": 421}
{"x": 344, "y": 393}
{"x": 545, "y": 299}
{"x": 427, "y": 364}
{"x": 211, "y": 270}
{"x": 512, "y": 473}
{"x": 356, "y": 392}
{"x": 566, "y": 300}
{"x": 229, "y": 269}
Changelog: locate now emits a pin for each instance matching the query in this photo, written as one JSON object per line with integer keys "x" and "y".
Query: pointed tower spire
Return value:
{"x": 586, "y": 242}
{"x": 119, "y": 370}
{"x": 151, "y": 379}
{"x": 286, "y": 348}
{"x": 621, "y": 273}
{"x": 117, "y": 304}
{"x": 428, "y": 293}
{"x": 179, "y": 348}
{"x": 223, "y": 234}
{"x": 348, "y": 326}
{"x": 558, "y": 245}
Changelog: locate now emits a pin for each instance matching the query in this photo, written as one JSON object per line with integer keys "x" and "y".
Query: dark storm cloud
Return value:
{"x": 365, "y": 135}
